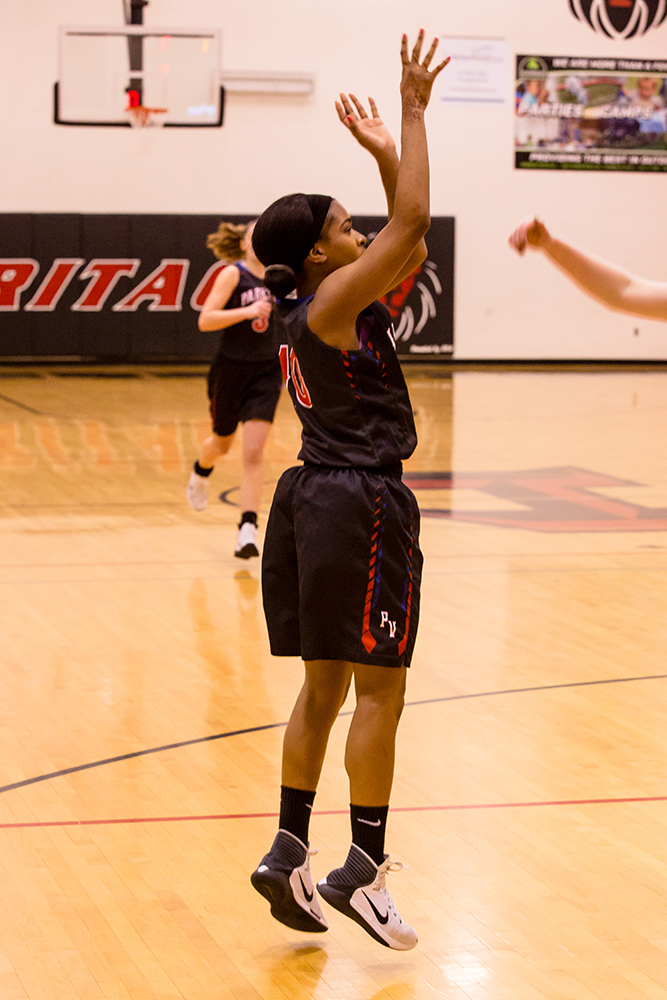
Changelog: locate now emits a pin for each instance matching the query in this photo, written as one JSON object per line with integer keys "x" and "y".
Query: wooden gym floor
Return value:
{"x": 141, "y": 715}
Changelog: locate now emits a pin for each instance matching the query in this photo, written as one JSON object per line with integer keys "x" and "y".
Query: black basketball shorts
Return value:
{"x": 242, "y": 390}
{"x": 341, "y": 567}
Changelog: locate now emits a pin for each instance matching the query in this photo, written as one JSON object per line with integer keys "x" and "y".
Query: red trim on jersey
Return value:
{"x": 283, "y": 354}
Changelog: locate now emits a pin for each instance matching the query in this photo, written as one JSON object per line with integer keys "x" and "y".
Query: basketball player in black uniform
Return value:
{"x": 244, "y": 380}
{"x": 342, "y": 566}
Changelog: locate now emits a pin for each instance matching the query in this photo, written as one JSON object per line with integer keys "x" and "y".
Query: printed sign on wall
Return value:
{"x": 478, "y": 70}
{"x": 129, "y": 288}
{"x": 575, "y": 113}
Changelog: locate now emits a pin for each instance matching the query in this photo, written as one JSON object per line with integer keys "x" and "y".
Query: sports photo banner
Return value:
{"x": 579, "y": 113}
{"x": 129, "y": 288}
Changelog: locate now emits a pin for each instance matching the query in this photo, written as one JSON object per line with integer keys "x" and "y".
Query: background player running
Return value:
{"x": 244, "y": 380}
{"x": 341, "y": 565}
{"x": 609, "y": 284}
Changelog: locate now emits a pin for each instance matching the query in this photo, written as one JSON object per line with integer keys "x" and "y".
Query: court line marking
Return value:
{"x": 329, "y": 812}
{"x": 22, "y": 406}
{"x": 281, "y": 725}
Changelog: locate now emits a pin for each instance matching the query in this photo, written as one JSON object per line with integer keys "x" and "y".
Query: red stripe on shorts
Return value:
{"x": 367, "y": 639}
{"x": 408, "y": 605}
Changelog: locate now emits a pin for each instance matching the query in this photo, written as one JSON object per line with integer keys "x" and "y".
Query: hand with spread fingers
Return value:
{"x": 417, "y": 79}
{"x": 369, "y": 130}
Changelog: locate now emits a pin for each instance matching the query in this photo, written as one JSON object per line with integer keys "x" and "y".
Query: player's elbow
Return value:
{"x": 414, "y": 225}
{"x": 421, "y": 253}
{"x": 421, "y": 223}
{"x": 204, "y": 322}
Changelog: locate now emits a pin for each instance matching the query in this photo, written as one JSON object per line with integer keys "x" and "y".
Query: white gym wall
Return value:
{"x": 506, "y": 308}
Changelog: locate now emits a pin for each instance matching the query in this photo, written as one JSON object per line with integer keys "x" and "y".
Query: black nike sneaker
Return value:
{"x": 284, "y": 878}
{"x": 358, "y": 890}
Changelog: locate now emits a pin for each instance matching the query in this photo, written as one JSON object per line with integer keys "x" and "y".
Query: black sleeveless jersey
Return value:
{"x": 354, "y": 406}
{"x": 249, "y": 340}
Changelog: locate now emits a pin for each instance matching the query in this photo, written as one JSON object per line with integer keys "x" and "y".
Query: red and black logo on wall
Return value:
{"x": 620, "y": 18}
{"x": 130, "y": 287}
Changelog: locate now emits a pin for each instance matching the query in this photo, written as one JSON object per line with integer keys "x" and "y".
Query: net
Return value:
{"x": 142, "y": 117}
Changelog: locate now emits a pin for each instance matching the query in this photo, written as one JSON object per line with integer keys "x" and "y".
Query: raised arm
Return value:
{"x": 346, "y": 291}
{"x": 373, "y": 135}
{"x": 614, "y": 287}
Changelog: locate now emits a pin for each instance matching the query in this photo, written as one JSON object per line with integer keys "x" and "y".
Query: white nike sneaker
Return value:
{"x": 368, "y": 901}
{"x": 284, "y": 878}
{"x": 197, "y": 491}
{"x": 246, "y": 541}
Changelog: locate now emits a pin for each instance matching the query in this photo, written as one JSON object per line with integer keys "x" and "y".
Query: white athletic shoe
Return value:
{"x": 246, "y": 541}
{"x": 369, "y": 903}
{"x": 284, "y": 878}
{"x": 197, "y": 491}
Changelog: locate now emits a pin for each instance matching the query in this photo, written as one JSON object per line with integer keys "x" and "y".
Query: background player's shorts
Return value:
{"x": 341, "y": 568}
{"x": 242, "y": 390}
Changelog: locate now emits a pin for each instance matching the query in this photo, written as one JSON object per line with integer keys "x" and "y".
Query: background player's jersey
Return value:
{"x": 353, "y": 405}
{"x": 252, "y": 339}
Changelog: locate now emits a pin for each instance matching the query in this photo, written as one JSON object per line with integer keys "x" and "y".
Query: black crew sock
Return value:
{"x": 369, "y": 824}
{"x": 295, "y": 808}
{"x": 201, "y": 471}
{"x": 248, "y": 517}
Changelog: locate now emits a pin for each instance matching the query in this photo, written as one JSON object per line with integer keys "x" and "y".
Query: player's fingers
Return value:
{"x": 345, "y": 101}
{"x": 416, "y": 52}
{"x": 373, "y": 106}
{"x": 361, "y": 111}
{"x": 404, "y": 49}
{"x": 426, "y": 61}
{"x": 519, "y": 238}
{"x": 439, "y": 68}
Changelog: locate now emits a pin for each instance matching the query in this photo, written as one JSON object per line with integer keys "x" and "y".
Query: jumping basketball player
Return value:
{"x": 616, "y": 288}
{"x": 342, "y": 566}
{"x": 244, "y": 380}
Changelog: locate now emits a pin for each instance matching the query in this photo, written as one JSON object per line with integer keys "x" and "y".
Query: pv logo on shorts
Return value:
{"x": 384, "y": 620}
{"x": 620, "y": 18}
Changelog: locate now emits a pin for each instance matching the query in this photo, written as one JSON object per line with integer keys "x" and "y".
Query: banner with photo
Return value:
{"x": 577, "y": 113}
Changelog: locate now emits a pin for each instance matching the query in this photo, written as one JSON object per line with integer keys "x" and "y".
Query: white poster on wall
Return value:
{"x": 478, "y": 72}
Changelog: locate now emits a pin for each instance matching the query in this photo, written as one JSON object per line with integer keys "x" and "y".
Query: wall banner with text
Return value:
{"x": 129, "y": 288}
{"x": 578, "y": 113}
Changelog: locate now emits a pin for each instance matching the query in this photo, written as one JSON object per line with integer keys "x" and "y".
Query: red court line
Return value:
{"x": 332, "y": 812}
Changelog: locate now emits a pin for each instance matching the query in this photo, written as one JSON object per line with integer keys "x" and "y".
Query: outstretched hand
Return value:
{"x": 530, "y": 233}
{"x": 417, "y": 79}
{"x": 369, "y": 130}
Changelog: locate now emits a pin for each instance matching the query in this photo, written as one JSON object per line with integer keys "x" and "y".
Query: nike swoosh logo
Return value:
{"x": 309, "y": 895}
{"x": 382, "y": 917}
{"x": 368, "y": 822}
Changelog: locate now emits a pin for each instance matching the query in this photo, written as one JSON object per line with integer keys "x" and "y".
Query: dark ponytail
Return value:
{"x": 280, "y": 280}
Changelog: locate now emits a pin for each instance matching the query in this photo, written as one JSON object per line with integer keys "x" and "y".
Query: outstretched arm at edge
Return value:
{"x": 614, "y": 287}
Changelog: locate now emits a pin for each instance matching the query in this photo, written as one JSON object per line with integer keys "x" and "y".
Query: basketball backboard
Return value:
{"x": 103, "y": 71}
